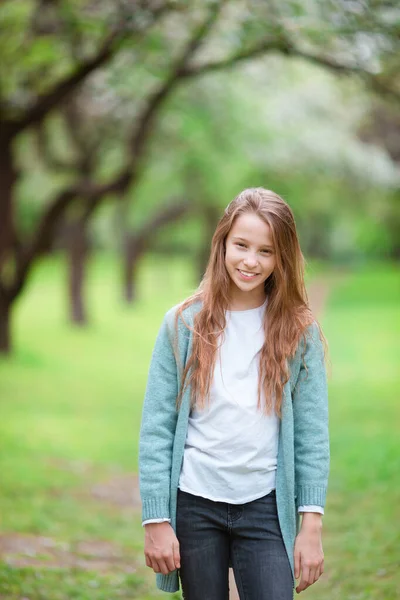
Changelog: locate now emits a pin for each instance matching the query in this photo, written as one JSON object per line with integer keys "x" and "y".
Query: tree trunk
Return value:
{"x": 8, "y": 176}
{"x": 317, "y": 243}
{"x": 133, "y": 252}
{"x": 77, "y": 254}
{"x": 130, "y": 288}
{"x": 5, "y": 324}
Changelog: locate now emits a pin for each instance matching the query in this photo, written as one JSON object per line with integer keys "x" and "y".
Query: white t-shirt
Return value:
{"x": 232, "y": 446}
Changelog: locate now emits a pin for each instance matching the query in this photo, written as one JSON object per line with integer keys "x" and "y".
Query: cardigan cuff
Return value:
{"x": 155, "y": 508}
{"x": 168, "y": 583}
{"x": 310, "y": 494}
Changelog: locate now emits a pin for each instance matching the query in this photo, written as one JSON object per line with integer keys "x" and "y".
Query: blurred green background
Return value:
{"x": 125, "y": 130}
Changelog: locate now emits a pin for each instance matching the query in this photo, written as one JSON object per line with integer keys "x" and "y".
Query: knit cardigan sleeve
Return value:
{"x": 157, "y": 430}
{"x": 311, "y": 431}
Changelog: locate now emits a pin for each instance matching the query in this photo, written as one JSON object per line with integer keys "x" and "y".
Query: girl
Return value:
{"x": 234, "y": 437}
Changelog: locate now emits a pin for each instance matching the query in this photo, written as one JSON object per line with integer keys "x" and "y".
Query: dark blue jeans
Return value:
{"x": 215, "y": 535}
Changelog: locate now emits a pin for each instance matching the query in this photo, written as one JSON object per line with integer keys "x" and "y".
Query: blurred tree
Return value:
{"x": 50, "y": 49}
{"x": 138, "y": 242}
{"x": 382, "y": 127}
{"x": 73, "y": 226}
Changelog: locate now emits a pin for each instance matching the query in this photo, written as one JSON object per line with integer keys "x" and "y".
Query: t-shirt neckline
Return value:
{"x": 248, "y": 310}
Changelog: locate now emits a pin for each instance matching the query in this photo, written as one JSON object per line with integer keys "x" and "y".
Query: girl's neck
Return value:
{"x": 246, "y": 302}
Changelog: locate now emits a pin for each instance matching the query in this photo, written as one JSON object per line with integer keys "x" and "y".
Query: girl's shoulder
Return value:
{"x": 184, "y": 319}
{"x": 310, "y": 340}
{"x": 312, "y": 333}
{"x": 312, "y": 343}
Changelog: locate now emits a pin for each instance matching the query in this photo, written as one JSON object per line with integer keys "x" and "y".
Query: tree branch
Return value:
{"x": 47, "y": 154}
{"x": 201, "y": 69}
{"x": 42, "y": 236}
{"x": 167, "y": 214}
{"x": 93, "y": 194}
{"x": 141, "y": 133}
{"x": 86, "y": 147}
{"x": 46, "y": 103}
{"x": 375, "y": 82}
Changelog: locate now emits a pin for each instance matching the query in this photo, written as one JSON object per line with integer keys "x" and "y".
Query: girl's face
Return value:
{"x": 249, "y": 257}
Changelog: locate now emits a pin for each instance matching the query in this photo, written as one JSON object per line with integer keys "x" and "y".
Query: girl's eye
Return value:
{"x": 240, "y": 245}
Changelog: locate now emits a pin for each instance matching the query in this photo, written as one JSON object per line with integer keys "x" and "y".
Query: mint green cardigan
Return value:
{"x": 303, "y": 448}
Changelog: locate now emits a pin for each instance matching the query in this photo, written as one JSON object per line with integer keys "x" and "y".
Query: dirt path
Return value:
{"x": 118, "y": 492}
{"x": 25, "y": 550}
{"x": 318, "y": 293}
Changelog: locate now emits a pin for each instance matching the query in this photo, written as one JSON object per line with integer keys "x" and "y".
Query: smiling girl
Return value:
{"x": 234, "y": 442}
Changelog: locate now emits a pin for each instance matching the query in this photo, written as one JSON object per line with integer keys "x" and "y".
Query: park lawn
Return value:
{"x": 361, "y": 533}
{"x": 71, "y": 404}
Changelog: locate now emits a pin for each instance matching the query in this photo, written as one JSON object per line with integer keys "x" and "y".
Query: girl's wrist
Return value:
{"x": 311, "y": 520}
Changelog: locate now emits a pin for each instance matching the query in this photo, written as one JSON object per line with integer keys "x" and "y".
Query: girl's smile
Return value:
{"x": 247, "y": 275}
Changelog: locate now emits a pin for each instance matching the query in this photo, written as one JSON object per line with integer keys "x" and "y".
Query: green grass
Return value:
{"x": 71, "y": 405}
{"x": 59, "y": 584}
{"x": 361, "y": 533}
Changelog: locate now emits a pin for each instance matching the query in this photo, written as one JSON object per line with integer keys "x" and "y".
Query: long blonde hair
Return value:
{"x": 287, "y": 312}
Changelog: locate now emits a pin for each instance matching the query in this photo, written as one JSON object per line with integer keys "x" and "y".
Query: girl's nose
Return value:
{"x": 250, "y": 261}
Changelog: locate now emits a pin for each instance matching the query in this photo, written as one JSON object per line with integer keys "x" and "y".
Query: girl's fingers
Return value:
{"x": 155, "y": 566}
{"x": 163, "y": 566}
{"x": 311, "y": 576}
{"x": 160, "y": 566}
{"x": 177, "y": 556}
{"x": 296, "y": 565}
{"x": 170, "y": 563}
{"x": 320, "y": 570}
{"x": 305, "y": 572}
{"x": 317, "y": 574}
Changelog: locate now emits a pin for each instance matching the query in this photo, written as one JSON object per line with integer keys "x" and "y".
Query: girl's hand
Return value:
{"x": 161, "y": 548}
{"x": 308, "y": 553}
